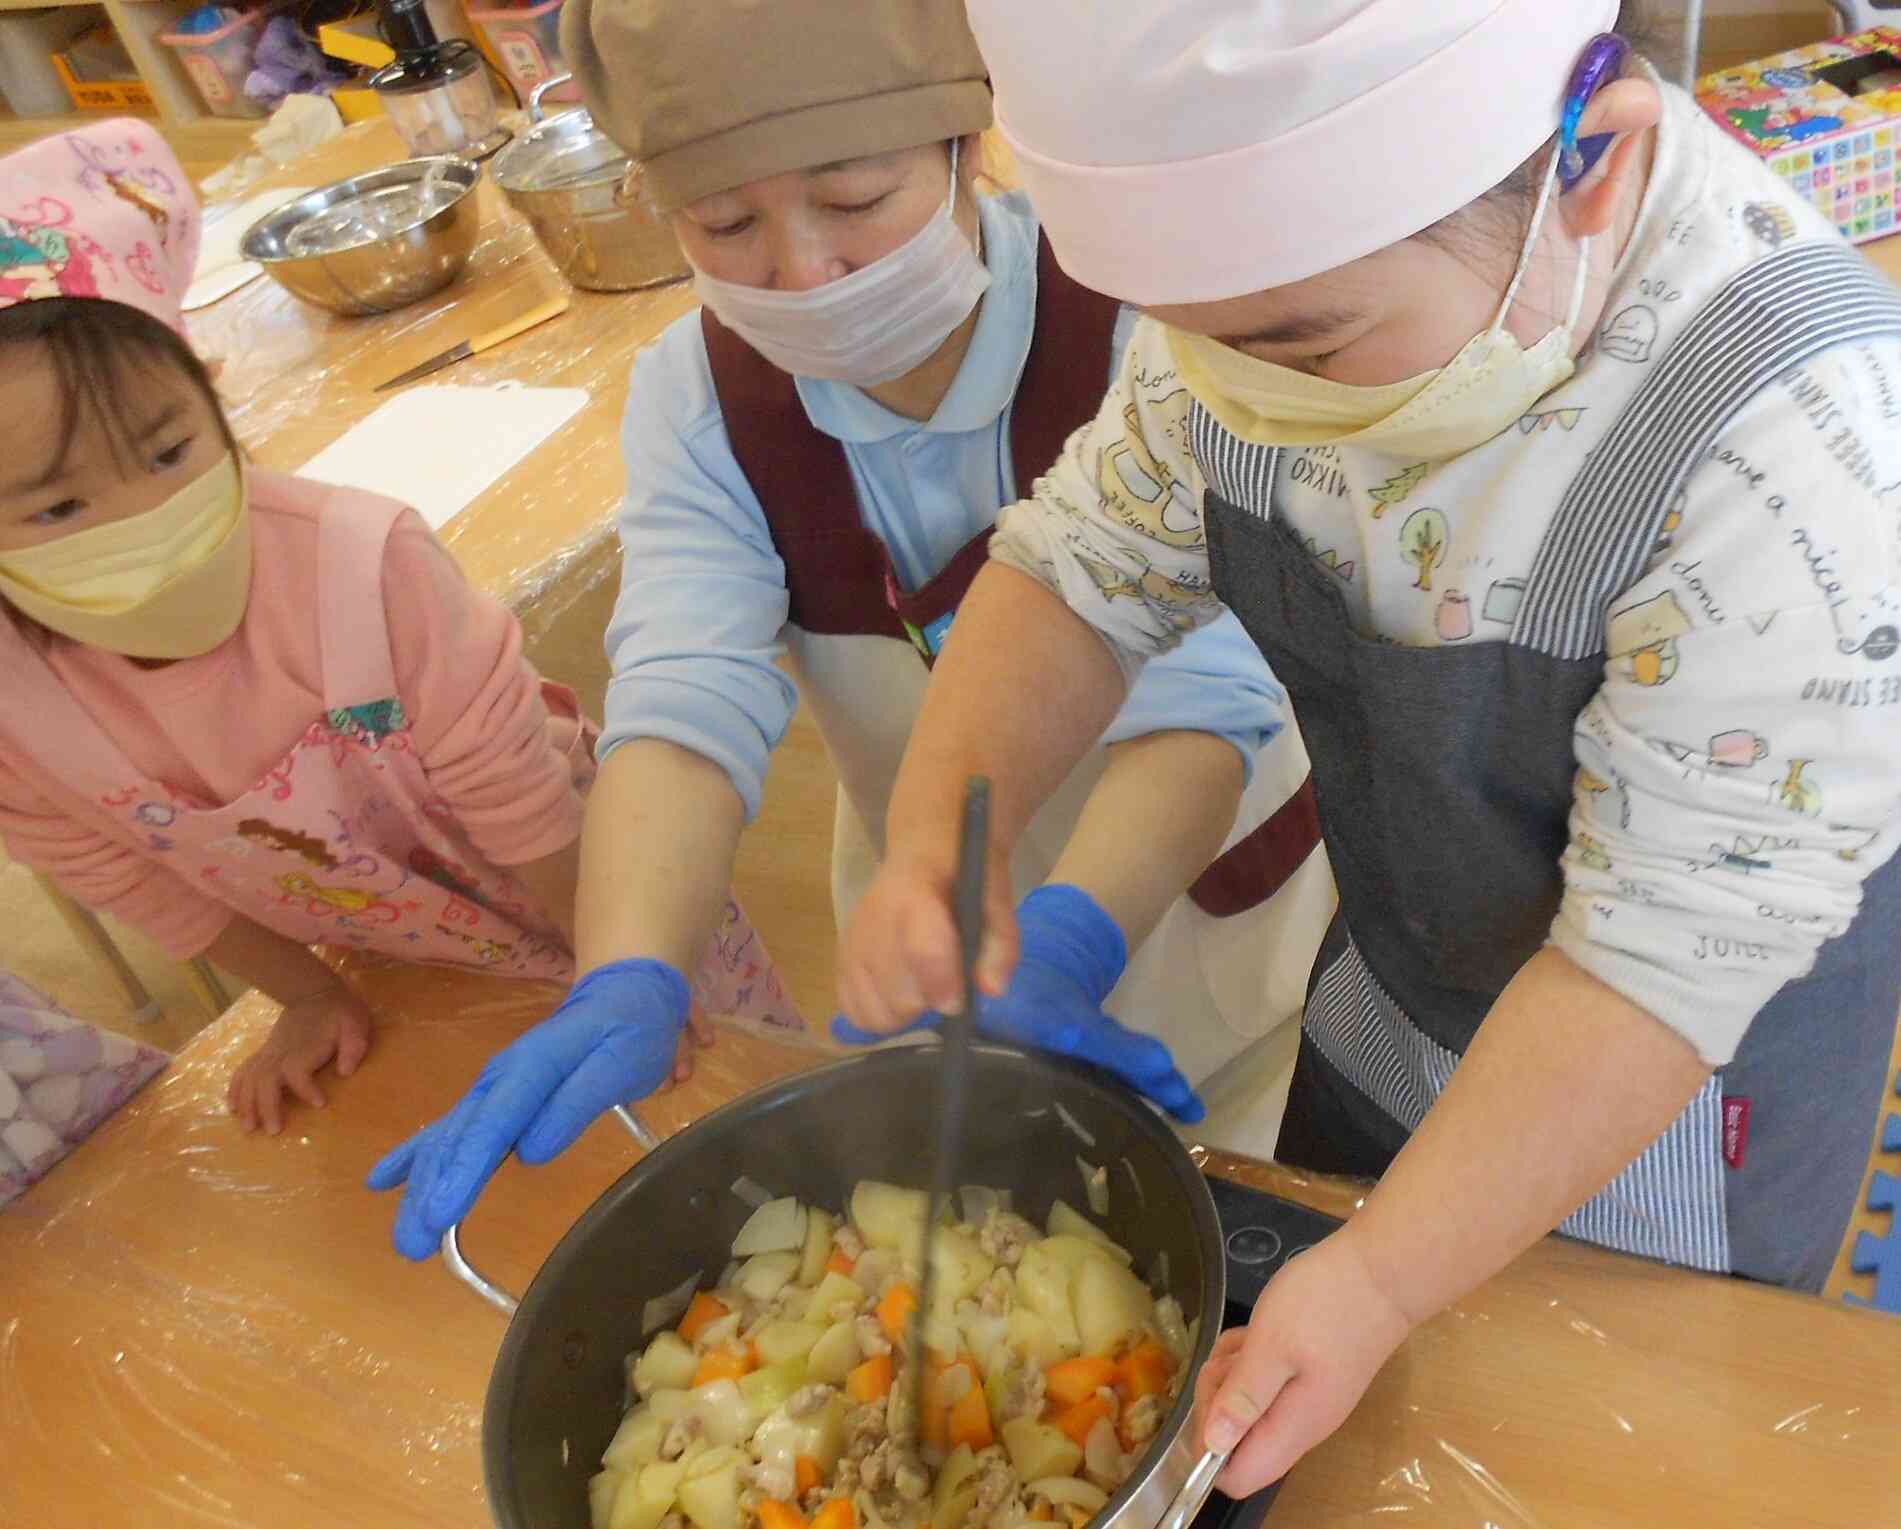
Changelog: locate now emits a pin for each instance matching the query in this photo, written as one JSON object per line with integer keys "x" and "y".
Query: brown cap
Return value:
{"x": 710, "y": 94}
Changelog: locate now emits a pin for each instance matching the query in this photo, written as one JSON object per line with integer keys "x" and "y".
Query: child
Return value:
{"x": 247, "y": 712}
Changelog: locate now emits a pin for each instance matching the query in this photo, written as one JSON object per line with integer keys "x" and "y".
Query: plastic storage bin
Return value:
{"x": 219, "y": 62}
{"x": 29, "y": 82}
{"x": 527, "y": 42}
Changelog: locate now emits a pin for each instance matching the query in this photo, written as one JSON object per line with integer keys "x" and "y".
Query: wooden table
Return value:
{"x": 202, "y": 1328}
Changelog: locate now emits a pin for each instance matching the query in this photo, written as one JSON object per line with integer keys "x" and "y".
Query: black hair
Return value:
{"x": 100, "y": 351}
{"x": 1501, "y": 218}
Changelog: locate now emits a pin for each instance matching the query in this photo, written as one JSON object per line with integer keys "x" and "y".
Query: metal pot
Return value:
{"x": 556, "y": 1393}
{"x": 571, "y": 182}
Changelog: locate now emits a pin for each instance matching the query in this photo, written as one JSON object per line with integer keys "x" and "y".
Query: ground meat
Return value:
{"x": 911, "y": 1480}
{"x": 775, "y": 1480}
{"x": 807, "y": 1400}
{"x": 996, "y": 1488}
{"x": 844, "y": 1478}
{"x": 681, "y": 1437}
{"x": 1005, "y": 1236}
{"x": 848, "y": 1242}
{"x": 997, "y": 1294}
{"x": 1144, "y": 1417}
{"x": 1107, "y": 1396}
{"x": 871, "y": 1339}
{"x": 864, "y": 1428}
{"x": 876, "y": 1468}
{"x": 1022, "y": 1393}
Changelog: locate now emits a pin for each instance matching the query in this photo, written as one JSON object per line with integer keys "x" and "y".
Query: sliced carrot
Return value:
{"x": 836, "y": 1514}
{"x": 808, "y": 1475}
{"x": 870, "y": 1380}
{"x": 838, "y": 1263}
{"x": 1078, "y": 1517}
{"x": 780, "y": 1515}
{"x": 1076, "y": 1380}
{"x": 723, "y": 1364}
{"x": 702, "y": 1314}
{"x": 969, "y": 1421}
{"x": 1043, "y": 1513}
{"x": 1146, "y": 1370}
{"x": 1076, "y": 1421}
{"x": 894, "y": 1311}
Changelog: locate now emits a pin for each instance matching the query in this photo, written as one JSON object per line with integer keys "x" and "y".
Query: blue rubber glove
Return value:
{"x": 612, "y": 1041}
{"x": 1072, "y": 956}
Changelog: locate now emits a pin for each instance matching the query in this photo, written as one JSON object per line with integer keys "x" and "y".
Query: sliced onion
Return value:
{"x": 664, "y": 1310}
{"x": 778, "y": 1226}
{"x": 1075, "y": 1125}
{"x": 1068, "y": 1491}
{"x": 1095, "y": 1186}
{"x": 979, "y": 1201}
{"x": 751, "y": 1191}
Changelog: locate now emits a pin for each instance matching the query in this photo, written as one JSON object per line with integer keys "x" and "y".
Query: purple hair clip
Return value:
{"x": 1602, "y": 61}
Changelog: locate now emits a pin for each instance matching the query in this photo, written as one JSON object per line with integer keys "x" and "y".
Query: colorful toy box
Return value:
{"x": 1827, "y": 119}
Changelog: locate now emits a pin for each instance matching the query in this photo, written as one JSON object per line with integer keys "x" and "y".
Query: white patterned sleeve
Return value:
{"x": 1738, "y": 778}
{"x": 1115, "y": 526}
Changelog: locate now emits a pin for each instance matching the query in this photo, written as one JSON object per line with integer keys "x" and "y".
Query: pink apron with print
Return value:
{"x": 343, "y": 842}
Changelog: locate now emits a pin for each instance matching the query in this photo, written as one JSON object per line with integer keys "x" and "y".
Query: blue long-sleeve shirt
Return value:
{"x": 703, "y": 597}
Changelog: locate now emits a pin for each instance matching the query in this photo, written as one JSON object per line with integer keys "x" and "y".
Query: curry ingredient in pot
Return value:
{"x": 783, "y": 1398}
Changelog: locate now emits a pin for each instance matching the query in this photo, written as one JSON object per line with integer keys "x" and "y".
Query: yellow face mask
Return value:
{"x": 171, "y": 583}
{"x": 1479, "y": 394}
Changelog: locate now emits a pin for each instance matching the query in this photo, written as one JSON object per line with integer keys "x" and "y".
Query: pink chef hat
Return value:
{"x": 104, "y": 211}
{"x": 1189, "y": 153}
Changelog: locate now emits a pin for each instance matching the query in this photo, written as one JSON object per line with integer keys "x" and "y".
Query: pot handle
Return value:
{"x": 554, "y": 81}
{"x": 503, "y": 1300}
{"x": 1195, "y": 1491}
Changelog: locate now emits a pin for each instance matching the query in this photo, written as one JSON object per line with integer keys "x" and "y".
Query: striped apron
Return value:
{"x": 1445, "y": 781}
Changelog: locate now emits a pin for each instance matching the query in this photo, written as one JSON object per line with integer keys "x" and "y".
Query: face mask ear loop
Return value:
{"x": 950, "y": 206}
{"x": 1531, "y": 247}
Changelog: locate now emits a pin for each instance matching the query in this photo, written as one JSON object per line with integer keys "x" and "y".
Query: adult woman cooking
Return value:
{"x": 815, "y": 462}
{"x": 1589, "y": 623}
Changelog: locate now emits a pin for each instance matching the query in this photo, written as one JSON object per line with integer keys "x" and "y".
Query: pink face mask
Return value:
{"x": 876, "y": 324}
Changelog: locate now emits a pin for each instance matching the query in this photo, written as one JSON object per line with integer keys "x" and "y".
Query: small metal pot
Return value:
{"x": 571, "y": 182}
{"x": 555, "y": 1395}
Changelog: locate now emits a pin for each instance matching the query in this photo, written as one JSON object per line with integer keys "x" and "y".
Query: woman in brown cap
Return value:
{"x": 815, "y": 461}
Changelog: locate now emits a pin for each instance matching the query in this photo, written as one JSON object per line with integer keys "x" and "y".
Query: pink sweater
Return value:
{"x": 211, "y": 727}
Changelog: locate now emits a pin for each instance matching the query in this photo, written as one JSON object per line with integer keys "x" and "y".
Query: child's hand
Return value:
{"x": 697, "y": 1036}
{"x": 329, "y": 1025}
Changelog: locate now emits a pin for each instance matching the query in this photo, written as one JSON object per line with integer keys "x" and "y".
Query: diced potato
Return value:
{"x": 961, "y": 1266}
{"x": 668, "y": 1364}
{"x": 722, "y": 1457}
{"x": 951, "y": 1513}
{"x": 766, "y": 1275}
{"x": 711, "y": 1501}
{"x": 601, "y": 1490}
{"x": 632, "y": 1510}
{"x": 979, "y": 1200}
{"x": 1043, "y": 1286}
{"x": 983, "y": 1336}
{"x": 1065, "y": 1221}
{"x": 1070, "y": 1491}
{"x": 834, "y": 1290}
{"x": 779, "y": 1341}
{"x": 778, "y": 1226}
{"x": 1042, "y": 1344}
{"x": 1038, "y": 1450}
{"x": 1073, "y": 1252}
{"x": 1112, "y": 1306}
{"x": 819, "y": 1226}
{"x": 723, "y": 1333}
{"x": 834, "y": 1355}
{"x": 950, "y": 1477}
{"x": 660, "y": 1482}
{"x": 637, "y": 1441}
{"x": 890, "y": 1217}
{"x": 765, "y": 1391}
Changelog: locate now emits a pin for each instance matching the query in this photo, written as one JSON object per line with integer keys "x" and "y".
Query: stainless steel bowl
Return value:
{"x": 570, "y": 181}
{"x": 367, "y": 244}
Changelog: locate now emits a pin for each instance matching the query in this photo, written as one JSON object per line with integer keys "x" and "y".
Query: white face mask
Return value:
{"x": 1479, "y": 394}
{"x": 881, "y": 321}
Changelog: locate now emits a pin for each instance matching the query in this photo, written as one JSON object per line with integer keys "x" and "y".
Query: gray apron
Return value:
{"x": 1445, "y": 778}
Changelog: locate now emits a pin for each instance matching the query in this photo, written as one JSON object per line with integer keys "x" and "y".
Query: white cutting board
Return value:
{"x": 438, "y": 448}
{"x": 220, "y": 271}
